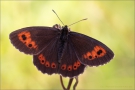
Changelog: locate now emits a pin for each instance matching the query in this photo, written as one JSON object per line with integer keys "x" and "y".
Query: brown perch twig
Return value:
{"x": 69, "y": 83}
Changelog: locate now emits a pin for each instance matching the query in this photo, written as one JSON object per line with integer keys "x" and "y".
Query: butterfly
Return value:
{"x": 57, "y": 50}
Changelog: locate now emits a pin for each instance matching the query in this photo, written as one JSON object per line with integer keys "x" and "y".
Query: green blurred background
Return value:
{"x": 111, "y": 22}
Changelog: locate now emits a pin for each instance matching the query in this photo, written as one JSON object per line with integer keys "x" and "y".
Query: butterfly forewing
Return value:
{"x": 31, "y": 40}
{"x": 90, "y": 51}
{"x": 70, "y": 65}
{"x": 47, "y": 60}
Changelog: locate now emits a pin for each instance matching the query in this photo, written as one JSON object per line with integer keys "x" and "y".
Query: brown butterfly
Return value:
{"x": 58, "y": 50}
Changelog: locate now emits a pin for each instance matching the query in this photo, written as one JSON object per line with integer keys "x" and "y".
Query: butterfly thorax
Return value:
{"x": 64, "y": 34}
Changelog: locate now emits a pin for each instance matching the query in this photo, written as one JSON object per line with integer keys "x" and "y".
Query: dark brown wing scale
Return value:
{"x": 90, "y": 51}
{"x": 31, "y": 40}
{"x": 47, "y": 60}
{"x": 70, "y": 65}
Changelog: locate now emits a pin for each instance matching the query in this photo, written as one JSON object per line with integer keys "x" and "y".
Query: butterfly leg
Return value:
{"x": 75, "y": 83}
{"x": 70, "y": 83}
{"x": 62, "y": 83}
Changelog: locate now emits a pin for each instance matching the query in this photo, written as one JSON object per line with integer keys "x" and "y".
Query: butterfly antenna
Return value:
{"x": 78, "y": 21}
{"x": 58, "y": 16}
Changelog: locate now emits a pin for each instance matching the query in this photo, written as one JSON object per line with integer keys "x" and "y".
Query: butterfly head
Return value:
{"x": 65, "y": 28}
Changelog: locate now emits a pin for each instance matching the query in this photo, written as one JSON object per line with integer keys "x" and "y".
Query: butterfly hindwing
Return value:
{"x": 90, "y": 51}
{"x": 70, "y": 65}
{"x": 47, "y": 60}
{"x": 31, "y": 40}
